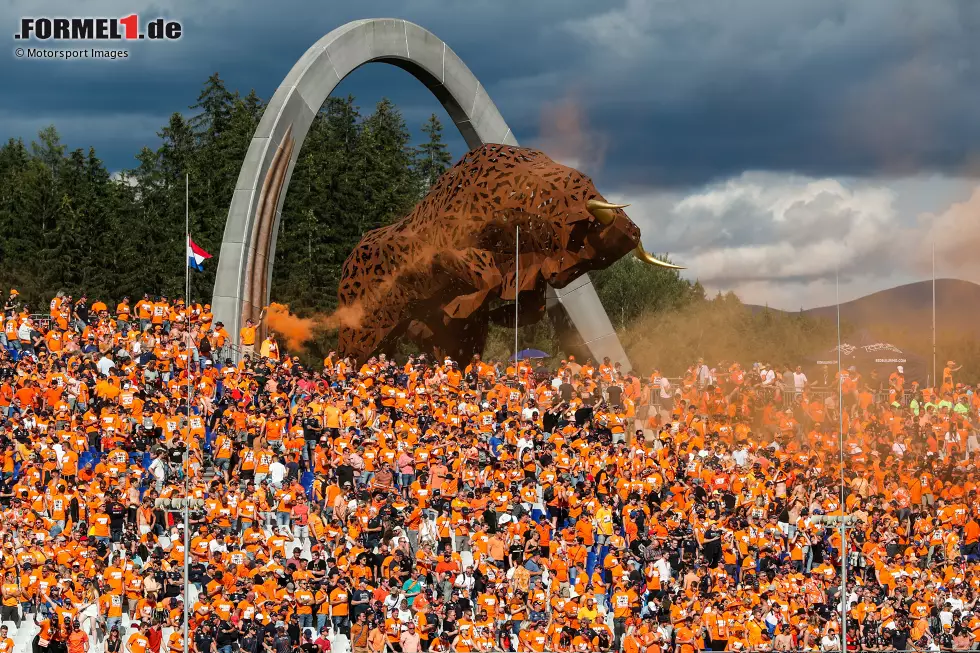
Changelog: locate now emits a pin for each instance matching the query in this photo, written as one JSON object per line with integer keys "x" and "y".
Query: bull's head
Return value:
{"x": 588, "y": 232}
{"x": 618, "y": 233}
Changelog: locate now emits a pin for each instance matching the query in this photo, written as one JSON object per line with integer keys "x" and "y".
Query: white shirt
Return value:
{"x": 104, "y": 365}
{"x": 158, "y": 470}
{"x": 768, "y": 377}
{"x": 946, "y": 616}
{"x": 465, "y": 581}
{"x": 392, "y": 600}
{"x": 741, "y": 456}
{"x": 277, "y": 472}
{"x": 799, "y": 381}
{"x": 664, "y": 388}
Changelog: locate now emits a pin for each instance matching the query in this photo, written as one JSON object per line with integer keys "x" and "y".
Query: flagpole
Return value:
{"x": 517, "y": 291}
{"x": 934, "y": 310}
{"x": 843, "y": 488}
{"x": 187, "y": 437}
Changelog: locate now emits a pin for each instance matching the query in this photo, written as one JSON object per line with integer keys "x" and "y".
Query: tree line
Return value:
{"x": 72, "y": 226}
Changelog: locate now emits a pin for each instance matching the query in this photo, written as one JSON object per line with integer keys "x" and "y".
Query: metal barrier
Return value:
{"x": 176, "y": 503}
{"x": 41, "y": 321}
{"x": 789, "y": 396}
{"x": 852, "y": 648}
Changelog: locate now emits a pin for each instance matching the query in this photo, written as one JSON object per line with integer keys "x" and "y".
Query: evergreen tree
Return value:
{"x": 385, "y": 168}
{"x": 432, "y": 157}
{"x": 215, "y": 105}
{"x": 71, "y": 226}
{"x": 352, "y": 175}
{"x": 630, "y": 287}
{"x": 222, "y": 129}
{"x": 175, "y": 158}
{"x": 316, "y": 233}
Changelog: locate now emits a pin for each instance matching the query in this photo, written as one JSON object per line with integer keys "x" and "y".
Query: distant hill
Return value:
{"x": 908, "y": 308}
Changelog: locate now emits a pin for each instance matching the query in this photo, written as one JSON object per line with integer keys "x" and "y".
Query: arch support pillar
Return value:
{"x": 243, "y": 279}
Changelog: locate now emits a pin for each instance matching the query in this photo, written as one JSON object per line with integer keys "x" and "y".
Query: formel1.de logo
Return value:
{"x": 127, "y": 28}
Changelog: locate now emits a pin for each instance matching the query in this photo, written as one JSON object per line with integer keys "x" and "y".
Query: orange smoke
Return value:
{"x": 295, "y": 330}
{"x": 345, "y": 317}
{"x": 956, "y": 233}
{"x": 566, "y": 137}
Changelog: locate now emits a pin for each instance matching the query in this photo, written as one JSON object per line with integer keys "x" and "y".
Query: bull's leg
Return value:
{"x": 420, "y": 333}
{"x": 460, "y": 339}
{"x": 364, "y": 330}
{"x": 531, "y": 307}
{"x": 475, "y": 268}
{"x": 371, "y": 315}
{"x": 362, "y": 341}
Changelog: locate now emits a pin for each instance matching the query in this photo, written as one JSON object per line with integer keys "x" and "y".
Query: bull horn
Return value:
{"x": 603, "y": 211}
{"x": 642, "y": 254}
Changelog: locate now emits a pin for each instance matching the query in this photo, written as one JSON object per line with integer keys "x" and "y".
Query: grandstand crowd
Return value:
{"x": 439, "y": 505}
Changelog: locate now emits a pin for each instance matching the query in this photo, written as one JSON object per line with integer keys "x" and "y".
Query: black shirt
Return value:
{"x": 360, "y": 595}
{"x": 203, "y": 641}
{"x": 449, "y": 628}
{"x": 615, "y": 394}
{"x": 565, "y": 390}
{"x": 900, "y": 639}
{"x": 317, "y": 565}
{"x": 583, "y": 415}
{"x": 249, "y": 643}
{"x": 227, "y": 633}
{"x": 117, "y": 515}
{"x": 345, "y": 474}
{"x": 175, "y": 583}
{"x": 311, "y": 429}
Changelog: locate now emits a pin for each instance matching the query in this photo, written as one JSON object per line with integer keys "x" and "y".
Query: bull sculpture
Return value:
{"x": 437, "y": 276}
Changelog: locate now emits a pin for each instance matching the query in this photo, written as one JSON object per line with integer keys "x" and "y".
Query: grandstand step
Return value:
{"x": 25, "y": 635}
{"x": 339, "y": 644}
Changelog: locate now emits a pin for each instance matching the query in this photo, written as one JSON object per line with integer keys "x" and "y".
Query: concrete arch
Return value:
{"x": 248, "y": 247}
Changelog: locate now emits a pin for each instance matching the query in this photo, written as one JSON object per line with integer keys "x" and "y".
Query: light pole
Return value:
{"x": 842, "y": 523}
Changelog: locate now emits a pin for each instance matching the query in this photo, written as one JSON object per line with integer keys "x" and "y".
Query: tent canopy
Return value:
{"x": 866, "y": 353}
{"x": 525, "y": 354}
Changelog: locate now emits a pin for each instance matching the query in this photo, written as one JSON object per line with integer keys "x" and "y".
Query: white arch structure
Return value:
{"x": 242, "y": 284}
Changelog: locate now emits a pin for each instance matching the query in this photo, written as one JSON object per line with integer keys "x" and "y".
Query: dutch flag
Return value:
{"x": 196, "y": 256}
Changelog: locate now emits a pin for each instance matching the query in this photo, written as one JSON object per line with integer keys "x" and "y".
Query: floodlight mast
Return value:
{"x": 843, "y": 523}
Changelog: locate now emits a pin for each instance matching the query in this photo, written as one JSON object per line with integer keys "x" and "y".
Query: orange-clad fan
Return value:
{"x": 445, "y": 505}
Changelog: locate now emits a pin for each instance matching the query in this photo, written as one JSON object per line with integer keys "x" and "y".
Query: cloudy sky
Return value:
{"x": 765, "y": 144}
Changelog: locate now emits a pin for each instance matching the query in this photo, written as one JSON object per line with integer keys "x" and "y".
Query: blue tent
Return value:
{"x": 530, "y": 353}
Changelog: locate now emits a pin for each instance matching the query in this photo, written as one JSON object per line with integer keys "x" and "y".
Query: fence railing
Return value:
{"x": 41, "y": 320}
{"x": 851, "y": 648}
{"x": 789, "y": 396}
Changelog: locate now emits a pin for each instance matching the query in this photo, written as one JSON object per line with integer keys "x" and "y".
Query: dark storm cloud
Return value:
{"x": 682, "y": 92}
{"x": 825, "y": 88}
